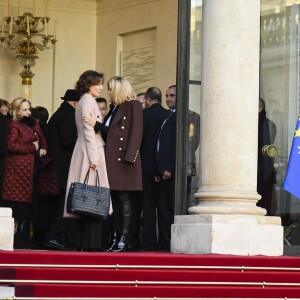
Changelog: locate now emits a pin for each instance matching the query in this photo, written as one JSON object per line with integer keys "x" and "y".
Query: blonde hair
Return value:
{"x": 120, "y": 90}
{"x": 15, "y": 106}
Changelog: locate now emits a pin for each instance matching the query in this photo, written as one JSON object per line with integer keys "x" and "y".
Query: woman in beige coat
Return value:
{"x": 88, "y": 153}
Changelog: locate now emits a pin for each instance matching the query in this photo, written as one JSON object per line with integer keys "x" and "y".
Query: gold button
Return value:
{"x": 124, "y": 118}
{"x": 122, "y": 127}
{"x": 119, "y": 159}
{"x": 121, "y": 139}
{"x": 120, "y": 149}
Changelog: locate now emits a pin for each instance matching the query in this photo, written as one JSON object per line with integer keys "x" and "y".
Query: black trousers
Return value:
{"x": 149, "y": 196}
{"x": 165, "y": 212}
{"x": 121, "y": 201}
{"x": 66, "y": 231}
{"x": 135, "y": 222}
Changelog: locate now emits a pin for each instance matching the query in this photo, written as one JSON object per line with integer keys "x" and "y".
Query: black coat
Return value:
{"x": 3, "y": 145}
{"x": 61, "y": 136}
{"x": 165, "y": 157}
{"x": 266, "y": 136}
{"x": 153, "y": 119}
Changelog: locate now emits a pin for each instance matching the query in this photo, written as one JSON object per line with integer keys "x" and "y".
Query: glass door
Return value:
{"x": 279, "y": 93}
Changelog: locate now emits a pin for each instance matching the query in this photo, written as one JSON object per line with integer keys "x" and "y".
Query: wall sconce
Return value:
{"x": 26, "y": 34}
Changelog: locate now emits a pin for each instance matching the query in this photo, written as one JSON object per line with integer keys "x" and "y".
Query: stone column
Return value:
{"x": 226, "y": 219}
{"x": 6, "y": 229}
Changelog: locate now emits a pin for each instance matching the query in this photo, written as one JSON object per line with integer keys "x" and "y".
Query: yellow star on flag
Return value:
{"x": 297, "y": 132}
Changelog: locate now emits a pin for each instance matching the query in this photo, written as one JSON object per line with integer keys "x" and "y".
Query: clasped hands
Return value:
{"x": 42, "y": 151}
{"x": 166, "y": 175}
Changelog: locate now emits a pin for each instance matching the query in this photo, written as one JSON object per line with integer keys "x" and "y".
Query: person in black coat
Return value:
{"x": 61, "y": 136}
{"x": 165, "y": 176}
{"x": 3, "y": 145}
{"x": 266, "y": 173}
{"x": 192, "y": 146}
{"x": 154, "y": 115}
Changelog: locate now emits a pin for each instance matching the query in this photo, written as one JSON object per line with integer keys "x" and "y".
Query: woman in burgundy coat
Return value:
{"x": 123, "y": 128}
{"x": 25, "y": 141}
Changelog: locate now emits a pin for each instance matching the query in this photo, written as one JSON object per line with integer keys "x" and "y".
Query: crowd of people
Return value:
{"x": 130, "y": 143}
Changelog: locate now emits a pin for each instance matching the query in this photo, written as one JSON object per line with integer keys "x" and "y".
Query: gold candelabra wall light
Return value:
{"x": 26, "y": 34}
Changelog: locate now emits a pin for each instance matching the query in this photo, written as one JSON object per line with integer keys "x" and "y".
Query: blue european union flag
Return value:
{"x": 292, "y": 178}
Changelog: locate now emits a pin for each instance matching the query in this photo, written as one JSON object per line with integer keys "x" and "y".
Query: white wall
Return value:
{"x": 120, "y": 17}
{"x": 56, "y": 69}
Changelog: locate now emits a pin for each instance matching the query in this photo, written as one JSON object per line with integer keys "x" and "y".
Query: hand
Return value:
{"x": 36, "y": 144}
{"x": 157, "y": 178}
{"x": 94, "y": 165}
{"x": 90, "y": 120}
{"x": 43, "y": 152}
{"x": 167, "y": 175}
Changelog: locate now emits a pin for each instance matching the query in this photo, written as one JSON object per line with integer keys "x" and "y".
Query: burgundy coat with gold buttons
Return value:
{"x": 19, "y": 160}
{"x": 122, "y": 151}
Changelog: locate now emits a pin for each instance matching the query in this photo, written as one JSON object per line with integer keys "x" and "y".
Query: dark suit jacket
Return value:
{"x": 153, "y": 119}
{"x": 165, "y": 157}
{"x": 122, "y": 151}
{"x": 61, "y": 136}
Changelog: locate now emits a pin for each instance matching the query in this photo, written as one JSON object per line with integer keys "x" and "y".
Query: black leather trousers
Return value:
{"x": 121, "y": 212}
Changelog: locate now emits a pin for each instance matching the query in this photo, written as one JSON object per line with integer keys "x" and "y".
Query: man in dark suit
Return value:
{"x": 154, "y": 115}
{"x": 165, "y": 165}
{"x": 61, "y": 136}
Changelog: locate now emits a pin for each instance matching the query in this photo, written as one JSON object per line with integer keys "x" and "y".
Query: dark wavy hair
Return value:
{"x": 41, "y": 113}
{"x": 86, "y": 80}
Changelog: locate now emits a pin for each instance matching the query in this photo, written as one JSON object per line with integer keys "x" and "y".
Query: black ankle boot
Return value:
{"x": 121, "y": 245}
{"x": 114, "y": 244}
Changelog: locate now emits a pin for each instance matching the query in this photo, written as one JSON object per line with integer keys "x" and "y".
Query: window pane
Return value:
{"x": 192, "y": 147}
{"x": 279, "y": 87}
{"x": 195, "y": 44}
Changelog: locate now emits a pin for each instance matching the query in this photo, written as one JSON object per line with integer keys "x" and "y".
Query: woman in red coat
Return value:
{"x": 25, "y": 142}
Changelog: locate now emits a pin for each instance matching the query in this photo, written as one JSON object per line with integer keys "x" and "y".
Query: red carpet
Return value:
{"x": 138, "y": 275}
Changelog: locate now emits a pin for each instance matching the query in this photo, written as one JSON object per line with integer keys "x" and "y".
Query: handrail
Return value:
{"x": 140, "y": 283}
{"x": 140, "y": 298}
{"x": 117, "y": 266}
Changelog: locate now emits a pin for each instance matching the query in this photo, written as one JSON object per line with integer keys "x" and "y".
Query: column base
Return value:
{"x": 227, "y": 234}
{"x": 6, "y": 229}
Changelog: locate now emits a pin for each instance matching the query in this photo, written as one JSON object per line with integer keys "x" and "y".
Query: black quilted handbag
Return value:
{"x": 90, "y": 200}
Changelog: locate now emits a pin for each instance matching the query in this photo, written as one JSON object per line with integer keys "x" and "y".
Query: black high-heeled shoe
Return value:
{"x": 121, "y": 245}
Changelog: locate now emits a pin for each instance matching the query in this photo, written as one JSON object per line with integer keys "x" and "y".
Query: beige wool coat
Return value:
{"x": 89, "y": 148}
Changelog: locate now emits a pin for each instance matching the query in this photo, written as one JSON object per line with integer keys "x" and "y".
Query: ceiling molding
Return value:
{"x": 105, "y": 6}
{"x": 71, "y": 6}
